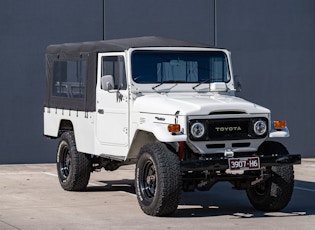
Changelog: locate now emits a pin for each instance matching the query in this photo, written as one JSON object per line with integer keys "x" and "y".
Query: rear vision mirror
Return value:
{"x": 237, "y": 83}
{"x": 177, "y": 62}
{"x": 107, "y": 82}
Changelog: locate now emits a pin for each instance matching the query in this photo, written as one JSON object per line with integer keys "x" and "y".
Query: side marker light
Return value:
{"x": 174, "y": 128}
{"x": 279, "y": 124}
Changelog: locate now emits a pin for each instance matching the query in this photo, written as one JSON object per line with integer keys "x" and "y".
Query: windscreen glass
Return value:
{"x": 183, "y": 66}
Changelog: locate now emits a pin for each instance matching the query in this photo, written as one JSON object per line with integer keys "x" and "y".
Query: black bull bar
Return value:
{"x": 221, "y": 163}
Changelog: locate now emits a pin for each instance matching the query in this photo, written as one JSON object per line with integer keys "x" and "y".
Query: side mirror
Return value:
{"x": 107, "y": 82}
{"x": 237, "y": 83}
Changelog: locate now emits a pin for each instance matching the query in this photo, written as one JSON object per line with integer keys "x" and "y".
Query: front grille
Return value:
{"x": 227, "y": 129}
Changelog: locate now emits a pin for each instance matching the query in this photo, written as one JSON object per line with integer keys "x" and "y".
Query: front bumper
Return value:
{"x": 221, "y": 163}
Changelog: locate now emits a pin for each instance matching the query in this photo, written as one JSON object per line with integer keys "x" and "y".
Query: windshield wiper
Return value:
{"x": 168, "y": 81}
{"x": 204, "y": 81}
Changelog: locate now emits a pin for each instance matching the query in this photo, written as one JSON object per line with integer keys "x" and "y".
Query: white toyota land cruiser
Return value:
{"x": 169, "y": 107}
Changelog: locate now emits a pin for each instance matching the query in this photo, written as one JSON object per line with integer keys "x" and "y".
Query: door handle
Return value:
{"x": 100, "y": 111}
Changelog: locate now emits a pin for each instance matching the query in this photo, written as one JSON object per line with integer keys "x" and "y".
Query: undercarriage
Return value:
{"x": 203, "y": 173}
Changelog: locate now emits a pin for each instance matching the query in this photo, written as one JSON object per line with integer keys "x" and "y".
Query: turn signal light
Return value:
{"x": 279, "y": 124}
{"x": 174, "y": 128}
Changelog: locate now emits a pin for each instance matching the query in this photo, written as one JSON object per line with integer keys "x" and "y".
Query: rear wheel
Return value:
{"x": 158, "y": 180}
{"x": 73, "y": 167}
{"x": 274, "y": 193}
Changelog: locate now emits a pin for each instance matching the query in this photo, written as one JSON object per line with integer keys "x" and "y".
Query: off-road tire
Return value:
{"x": 74, "y": 168}
{"x": 158, "y": 180}
{"x": 275, "y": 193}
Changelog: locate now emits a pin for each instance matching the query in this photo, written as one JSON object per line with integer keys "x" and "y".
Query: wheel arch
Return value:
{"x": 64, "y": 126}
{"x": 142, "y": 138}
{"x": 272, "y": 147}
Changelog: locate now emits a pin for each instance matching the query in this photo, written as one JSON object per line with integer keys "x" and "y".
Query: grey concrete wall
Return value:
{"x": 272, "y": 43}
{"x": 273, "y": 49}
{"x": 26, "y": 28}
{"x": 182, "y": 19}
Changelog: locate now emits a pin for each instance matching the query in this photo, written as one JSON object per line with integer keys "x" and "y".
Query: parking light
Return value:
{"x": 174, "y": 128}
{"x": 280, "y": 124}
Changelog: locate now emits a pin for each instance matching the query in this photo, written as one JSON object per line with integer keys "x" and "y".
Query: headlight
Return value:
{"x": 197, "y": 130}
{"x": 260, "y": 127}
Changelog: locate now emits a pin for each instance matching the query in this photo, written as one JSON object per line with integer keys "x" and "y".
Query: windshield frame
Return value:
{"x": 208, "y": 66}
{"x": 177, "y": 86}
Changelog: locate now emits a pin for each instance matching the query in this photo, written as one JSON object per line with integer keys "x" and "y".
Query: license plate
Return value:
{"x": 244, "y": 163}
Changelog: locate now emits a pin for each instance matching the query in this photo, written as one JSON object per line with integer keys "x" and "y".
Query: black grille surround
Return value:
{"x": 228, "y": 129}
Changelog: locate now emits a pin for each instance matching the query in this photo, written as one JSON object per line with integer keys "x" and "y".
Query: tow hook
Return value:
{"x": 228, "y": 153}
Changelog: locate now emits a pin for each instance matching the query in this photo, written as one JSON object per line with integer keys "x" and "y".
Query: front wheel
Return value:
{"x": 274, "y": 193}
{"x": 158, "y": 180}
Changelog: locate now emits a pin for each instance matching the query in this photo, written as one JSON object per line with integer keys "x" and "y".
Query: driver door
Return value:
{"x": 112, "y": 106}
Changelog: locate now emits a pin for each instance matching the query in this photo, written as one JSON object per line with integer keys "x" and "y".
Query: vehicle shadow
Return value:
{"x": 124, "y": 185}
{"x": 223, "y": 200}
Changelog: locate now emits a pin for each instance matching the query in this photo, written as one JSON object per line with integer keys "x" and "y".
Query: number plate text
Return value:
{"x": 249, "y": 163}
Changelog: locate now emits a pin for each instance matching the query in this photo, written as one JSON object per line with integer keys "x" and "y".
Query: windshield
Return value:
{"x": 179, "y": 66}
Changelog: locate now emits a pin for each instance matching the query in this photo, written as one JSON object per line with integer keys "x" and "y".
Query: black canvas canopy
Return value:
{"x": 87, "y": 51}
{"x": 117, "y": 45}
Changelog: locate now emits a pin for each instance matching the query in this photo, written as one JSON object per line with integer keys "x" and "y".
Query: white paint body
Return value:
{"x": 126, "y": 119}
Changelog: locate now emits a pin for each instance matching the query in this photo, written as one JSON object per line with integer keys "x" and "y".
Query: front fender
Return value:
{"x": 279, "y": 133}
{"x": 161, "y": 133}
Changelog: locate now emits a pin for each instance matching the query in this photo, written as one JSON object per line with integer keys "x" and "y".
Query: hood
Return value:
{"x": 169, "y": 104}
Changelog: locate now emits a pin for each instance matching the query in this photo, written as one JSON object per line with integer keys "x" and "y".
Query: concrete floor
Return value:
{"x": 31, "y": 198}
